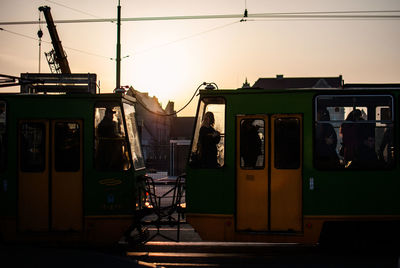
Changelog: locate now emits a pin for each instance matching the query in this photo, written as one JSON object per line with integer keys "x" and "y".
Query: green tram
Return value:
{"x": 70, "y": 165}
{"x": 326, "y": 165}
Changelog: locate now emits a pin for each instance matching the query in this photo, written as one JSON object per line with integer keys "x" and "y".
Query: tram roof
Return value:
{"x": 102, "y": 96}
{"x": 345, "y": 88}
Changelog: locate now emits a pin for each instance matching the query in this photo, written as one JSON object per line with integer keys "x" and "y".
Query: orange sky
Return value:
{"x": 170, "y": 59}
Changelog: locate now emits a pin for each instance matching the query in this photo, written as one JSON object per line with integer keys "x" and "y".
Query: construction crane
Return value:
{"x": 56, "y": 58}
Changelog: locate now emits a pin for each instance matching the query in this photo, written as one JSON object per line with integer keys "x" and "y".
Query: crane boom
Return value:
{"x": 59, "y": 54}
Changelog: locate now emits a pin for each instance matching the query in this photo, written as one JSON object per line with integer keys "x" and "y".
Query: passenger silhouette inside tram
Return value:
{"x": 366, "y": 155}
{"x": 386, "y": 149}
{"x": 350, "y": 132}
{"x": 358, "y": 141}
{"x": 108, "y": 127}
{"x": 326, "y": 142}
{"x": 250, "y": 143}
{"x": 111, "y": 151}
{"x": 208, "y": 140}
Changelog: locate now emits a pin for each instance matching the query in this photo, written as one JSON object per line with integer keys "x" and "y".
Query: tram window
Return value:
{"x": 67, "y": 146}
{"x": 111, "y": 151}
{"x": 354, "y": 132}
{"x": 208, "y": 147}
{"x": 32, "y": 147}
{"x": 133, "y": 135}
{"x": 287, "y": 143}
{"x": 2, "y": 135}
{"x": 252, "y": 143}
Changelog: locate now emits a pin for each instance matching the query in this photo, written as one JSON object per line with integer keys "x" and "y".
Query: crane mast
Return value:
{"x": 56, "y": 58}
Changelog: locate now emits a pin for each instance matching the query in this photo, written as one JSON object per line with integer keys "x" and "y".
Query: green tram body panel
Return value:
{"x": 331, "y": 193}
{"x": 109, "y": 197}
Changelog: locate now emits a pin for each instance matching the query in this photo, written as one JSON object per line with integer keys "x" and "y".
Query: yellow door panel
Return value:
{"x": 286, "y": 173}
{"x": 33, "y": 176}
{"x": 67, "y": 175}
{"x": 252, "y": 183}
{"x": 58, "y": 181}
{"x": 269, "y": 197}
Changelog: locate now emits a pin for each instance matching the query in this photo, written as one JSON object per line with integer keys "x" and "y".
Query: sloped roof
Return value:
{"x": 143, "y": 98}
{"x": 281, "y": 82}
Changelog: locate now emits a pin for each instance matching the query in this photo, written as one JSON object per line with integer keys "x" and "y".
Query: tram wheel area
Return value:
{"x": 361, "y": 236}
{"x": 46, "y": 256}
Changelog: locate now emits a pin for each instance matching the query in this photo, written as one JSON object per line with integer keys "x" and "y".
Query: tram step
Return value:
{"x": 211, "y": 254}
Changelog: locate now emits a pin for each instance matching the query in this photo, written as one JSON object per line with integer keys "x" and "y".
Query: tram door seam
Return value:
{"x": 269, "y": 162}
{"x": 49, "y": 162}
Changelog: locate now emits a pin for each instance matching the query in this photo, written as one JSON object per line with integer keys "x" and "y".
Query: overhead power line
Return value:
{"x": 367, "y": 14}
{"x": 74, "y": 9}
{"x": 185, "y": 38}
{"x": 382, "y": 14}
{"x": 133, "y": 53}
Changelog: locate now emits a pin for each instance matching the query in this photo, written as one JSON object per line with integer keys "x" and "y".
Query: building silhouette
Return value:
{"x": 164, "y": 136}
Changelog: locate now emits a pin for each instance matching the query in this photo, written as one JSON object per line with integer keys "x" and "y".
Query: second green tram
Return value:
{"x": 297, "y": 165}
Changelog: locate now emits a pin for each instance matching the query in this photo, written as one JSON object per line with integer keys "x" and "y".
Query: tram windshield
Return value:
{"x": 111, "y": 150}
{"x": 208, "y": 147}
{"x": 133, "y": 136}
{"x": 354, "y": 132}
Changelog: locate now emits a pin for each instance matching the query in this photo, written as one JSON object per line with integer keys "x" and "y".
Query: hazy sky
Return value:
{"x": 169, "y": 59}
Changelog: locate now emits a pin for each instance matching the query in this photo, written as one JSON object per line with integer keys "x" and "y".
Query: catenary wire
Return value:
{"x": 366, "y": 14}
{"x": 136, "y": 53}
{"x": 313, "y": 15}
{"x": 185, "y": 38}
{"x": 74, "y": 9}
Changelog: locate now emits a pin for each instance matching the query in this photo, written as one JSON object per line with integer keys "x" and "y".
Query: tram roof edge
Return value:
{"x": 253, "y": 90}
{"x": 68, "y": 83}
{"x": 372, "y": 86}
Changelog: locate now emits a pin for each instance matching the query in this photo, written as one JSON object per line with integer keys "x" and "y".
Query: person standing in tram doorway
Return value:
{"x": 208, "y": 140}
{"x": 108, "y": 127}
{"x": 111, "y": 149}
{"x": 250, "y": 143}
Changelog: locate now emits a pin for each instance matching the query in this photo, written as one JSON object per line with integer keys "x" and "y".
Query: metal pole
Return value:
{"x": 118, "y": 84}
{"x": 40, "y": 51}
{"x": 40, "y": 34}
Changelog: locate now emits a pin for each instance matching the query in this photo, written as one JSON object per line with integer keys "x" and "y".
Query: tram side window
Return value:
{"x": 133, "y": 135}
{"x": 111, "y": 151}
{"x": 208, "y": 147}
{"x": 287, "y": 143}
{"x": 2, "y": 135}
{"x": 354, "y": 132}
{"x": 252, "y": 143}
{"x": 32, "y": 147}
{"x": 67, "y": 146}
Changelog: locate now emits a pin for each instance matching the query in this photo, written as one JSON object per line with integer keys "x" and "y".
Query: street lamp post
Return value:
{"x": 118, "y": 78}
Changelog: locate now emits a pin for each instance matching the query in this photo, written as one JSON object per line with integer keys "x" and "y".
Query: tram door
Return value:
{"x": 269, "y": 168}
{"x": 50, "y": 175}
